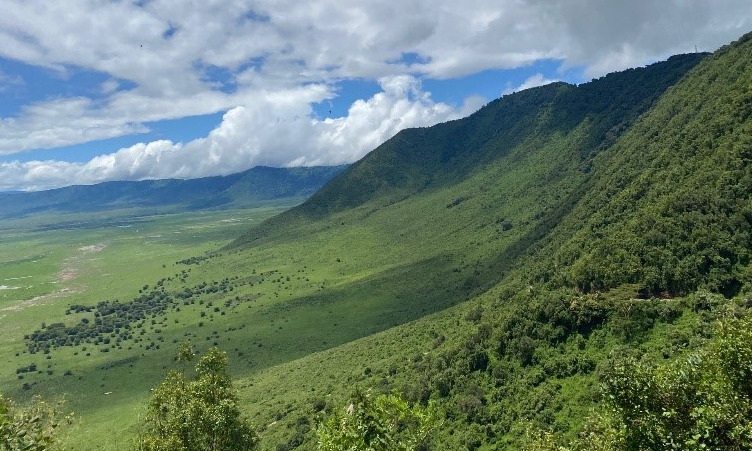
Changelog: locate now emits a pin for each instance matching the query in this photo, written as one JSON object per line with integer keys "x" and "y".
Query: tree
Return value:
{"x": 700, "y": 401}
{"x": 197, "y": 415}
{"x": 377, "y": 423}
{"x": 32, "y": 428}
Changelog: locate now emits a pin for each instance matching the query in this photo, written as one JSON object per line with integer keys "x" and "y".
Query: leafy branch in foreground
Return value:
{"x": 32, "y": 428}
{"x": 702, "y": 400}
{"x": 378, "y": 423}
{"x": 197, "y": 415}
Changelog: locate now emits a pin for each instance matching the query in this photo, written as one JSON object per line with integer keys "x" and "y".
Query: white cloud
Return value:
{"x": 276, "y": 129}
{"x": 531, "y": 82}
{"x": 109, "y": 86}
{"x": 9, "y": 81}
{"x": 265, "y": 62}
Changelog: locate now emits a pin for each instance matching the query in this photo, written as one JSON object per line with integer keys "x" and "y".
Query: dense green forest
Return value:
{"x": 567, "y": 268}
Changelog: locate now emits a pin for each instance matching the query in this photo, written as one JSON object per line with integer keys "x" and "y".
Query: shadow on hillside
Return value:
{"x": 341, "y": 314}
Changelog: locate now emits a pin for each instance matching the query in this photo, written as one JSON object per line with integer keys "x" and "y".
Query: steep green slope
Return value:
{"x": 574, "y": 227}
{"x": 670, "y": 208}
{"x": 441, "y": 156}
{"x": 459, "y": 208}
{"x": 514, "y": 210}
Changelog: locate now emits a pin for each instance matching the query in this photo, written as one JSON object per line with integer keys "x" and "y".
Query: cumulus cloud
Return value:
{"x": 275, "y": 129}
{"x": 60, "y": 122}
{"x": 531, "y": 82}
{"x": 264, "y": 62}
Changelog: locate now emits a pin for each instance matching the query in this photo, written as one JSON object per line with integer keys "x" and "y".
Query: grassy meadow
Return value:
{"x": 49, "y": 263}
{"x": 322, "y": 286}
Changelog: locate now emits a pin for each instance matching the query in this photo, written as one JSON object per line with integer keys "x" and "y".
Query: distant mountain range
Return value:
{"x": 246, "y": 188}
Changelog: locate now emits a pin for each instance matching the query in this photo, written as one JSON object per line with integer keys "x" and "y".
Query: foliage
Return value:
{"x": 116, "y": 322}
{"x": 33, "y": 428}
{"x": 668, "y": 207}
{"x": 378, "y": 423}
{"x": 700, "y": 401}
{"x": 602, "y": 432}
{"x": 199, "y": 414}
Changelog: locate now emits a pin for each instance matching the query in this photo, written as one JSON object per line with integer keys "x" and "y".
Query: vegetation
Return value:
{"x": 73, "y": 285}
{"x": 196, "y": 415}
{"x": 700, "y": 400}
{"x": 377, "y": 423}
{"x": 32, "y": 428}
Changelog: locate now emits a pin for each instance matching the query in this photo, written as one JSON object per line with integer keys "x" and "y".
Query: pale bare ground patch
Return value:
{"x": 71, "y": 265}
{"x": 93, "y": 248}
{"x": 66, "y": 276}
{"x": 45, "y": 298}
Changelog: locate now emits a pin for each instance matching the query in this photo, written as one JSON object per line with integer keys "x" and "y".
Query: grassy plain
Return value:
{"x": 323, "y": 285}
{"x": 50, "y": 263}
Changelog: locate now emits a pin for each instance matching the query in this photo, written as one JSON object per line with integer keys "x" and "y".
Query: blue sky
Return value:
{"x": 93, "y": 91}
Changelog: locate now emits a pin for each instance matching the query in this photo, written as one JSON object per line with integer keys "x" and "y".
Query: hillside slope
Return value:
{"x": 670, "y": 208}
{"x": 599, "y": 219}
{"x": 490, "y": 265}
{"x": 428, "y": 159}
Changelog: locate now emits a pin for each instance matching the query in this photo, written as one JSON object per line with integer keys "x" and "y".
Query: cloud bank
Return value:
{"x": 264, "y": 63}
{"x": 274, "y": 130}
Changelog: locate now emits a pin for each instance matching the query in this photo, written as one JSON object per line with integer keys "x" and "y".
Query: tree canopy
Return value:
{"x": 377, "y": 423}
{"x": 197, "y": 415}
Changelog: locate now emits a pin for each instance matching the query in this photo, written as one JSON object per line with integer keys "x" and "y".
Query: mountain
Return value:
{"x": 237, "y": 190}
{"x": 572, "y": 220}
{"x": 592, "y": 116}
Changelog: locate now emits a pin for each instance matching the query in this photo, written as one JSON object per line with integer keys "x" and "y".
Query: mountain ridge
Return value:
{"x": 408, "y": 163}
{"x": 623, "y": 227}
{"x": 254, "y": 185}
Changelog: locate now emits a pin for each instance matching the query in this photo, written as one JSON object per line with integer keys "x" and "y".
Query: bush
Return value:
{"x": 201, "y": 414}
{"x": 33, "y": 428}
{"x": 377, "y": 423}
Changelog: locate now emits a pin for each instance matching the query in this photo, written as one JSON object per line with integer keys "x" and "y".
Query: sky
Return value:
{"x": 100, "y": 90}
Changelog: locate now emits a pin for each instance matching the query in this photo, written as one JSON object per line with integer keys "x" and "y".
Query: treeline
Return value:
{"x": 113, "y": 322}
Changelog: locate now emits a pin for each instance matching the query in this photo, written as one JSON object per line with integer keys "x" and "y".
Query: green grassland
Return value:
{"x": 47, "y": 266}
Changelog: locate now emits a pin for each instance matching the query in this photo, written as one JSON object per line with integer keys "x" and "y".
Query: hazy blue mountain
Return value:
{"x": 255, "y": 185}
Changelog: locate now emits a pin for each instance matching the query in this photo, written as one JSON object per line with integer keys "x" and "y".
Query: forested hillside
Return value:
{"x": 582, "y": 223}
